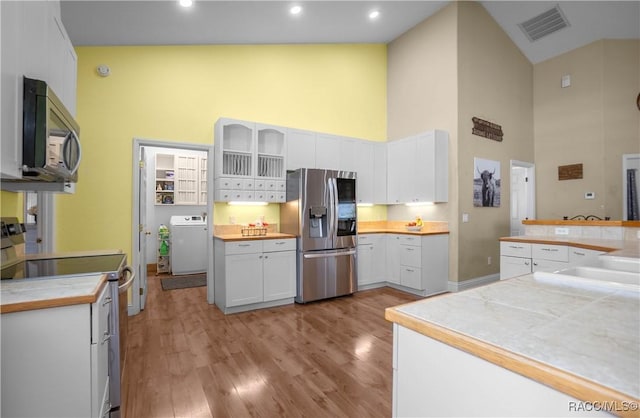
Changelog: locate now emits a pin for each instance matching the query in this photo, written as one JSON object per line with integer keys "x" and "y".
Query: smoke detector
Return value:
{"x": 544, "y": 24}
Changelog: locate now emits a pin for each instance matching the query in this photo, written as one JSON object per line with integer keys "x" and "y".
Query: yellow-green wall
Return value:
{"x": 11, "y": 205}
{"x": 177, "y": 93}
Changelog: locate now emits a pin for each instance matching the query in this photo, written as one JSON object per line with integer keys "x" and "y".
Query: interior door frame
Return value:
{"x": 530, "y": 199}
{"x": 134, "y": 307}
{"x": 627, "y": 163}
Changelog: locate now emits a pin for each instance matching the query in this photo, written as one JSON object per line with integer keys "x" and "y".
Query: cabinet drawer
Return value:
{"x": 271, "y": 245}
{"x": 248, "y": 184}
{"x": 580, "y": 255}
{"x": 411, "y": 240}
{"x": 243, "y": 247}
{"x": 100, "y": 316}
{"x": 410, "y": 277}
{"x": 364, "y": 239}
{"x": 515, "y": 249}
{"x": 410, "y": 256}
{"x": 550, "y": 252}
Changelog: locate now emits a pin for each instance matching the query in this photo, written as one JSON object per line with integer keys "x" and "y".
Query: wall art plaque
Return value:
{"x": 486, "y": 129}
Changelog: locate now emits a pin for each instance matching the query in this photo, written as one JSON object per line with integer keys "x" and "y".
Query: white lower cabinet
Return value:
{"x": 371, "y": 261}
{"x": 418, "y": 263}
{"x": 429, "y": 376}
{"x": 520, "y": 258}
{"x": 254, "y": 274}
{"x": 55, "y": 361}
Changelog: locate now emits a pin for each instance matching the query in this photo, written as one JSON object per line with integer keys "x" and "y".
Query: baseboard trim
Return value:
{"x": 469, "y": 284}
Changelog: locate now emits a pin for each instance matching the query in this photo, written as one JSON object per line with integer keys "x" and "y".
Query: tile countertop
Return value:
{"x": 579, "y": 336}
{"x": 23, "y": 295}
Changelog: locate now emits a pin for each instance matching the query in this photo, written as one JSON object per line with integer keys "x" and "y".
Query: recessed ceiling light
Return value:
{"x": 186, "y": 3}
{"x": 295, "y": 10}
{"x": 374, "y": 14}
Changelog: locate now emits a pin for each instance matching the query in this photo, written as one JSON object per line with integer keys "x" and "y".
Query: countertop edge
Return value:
{"x": 575, "y": 222}
{"x": 396, "y": 231}
{"x": 55, "y": 302}
{"x": 564, "y": 241}
{"x": 560, "y": 380}
{"x": 239, "y": 237}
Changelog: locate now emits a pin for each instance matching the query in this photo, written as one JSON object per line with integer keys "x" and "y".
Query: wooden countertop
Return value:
{"x": 631, "y": 224}
{"x": 25, "y": 295}
{"x": 551, "y": 330}
{"x": 398, "y": 227}
{"x": 240, "y": 237}
{"x": 606, "y": 245}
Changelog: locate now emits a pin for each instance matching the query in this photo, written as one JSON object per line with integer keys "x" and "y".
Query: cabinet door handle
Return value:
{"x": 280, "y": 243}
{"x": 516, "y": 247}
{"x": 244, "y": 245}
{"x": 409, "y": 249}
{"x": 410, "y": 270}
{"x": 549, "y": 249}
{"x": 105, "y": 337}
{"x": 107, "y": 300}
{"x": 526, "y": 263}
{"x": 579, "y": 253}
{"x": 535, "y": 264}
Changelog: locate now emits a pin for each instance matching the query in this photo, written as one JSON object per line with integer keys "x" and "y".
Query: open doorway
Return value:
{"x": 630, "y": 187}
{"x": 149, "y": 212}
{"x": 523, "y": 195}
{"x": 38, "y": 215}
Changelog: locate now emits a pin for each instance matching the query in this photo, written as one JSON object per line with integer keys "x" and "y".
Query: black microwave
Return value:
{"x": 50, "y": 136}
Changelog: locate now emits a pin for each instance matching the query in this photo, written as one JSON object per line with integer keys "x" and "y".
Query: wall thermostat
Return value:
{"x": 589, "y": 195}
{"x": 103, "y": 70}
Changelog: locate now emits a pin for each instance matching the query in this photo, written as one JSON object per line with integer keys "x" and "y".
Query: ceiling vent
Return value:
{"x": 544, "y": 24}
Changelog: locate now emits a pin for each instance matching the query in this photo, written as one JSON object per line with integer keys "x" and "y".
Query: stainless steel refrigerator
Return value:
{"x": 321, "y": 211}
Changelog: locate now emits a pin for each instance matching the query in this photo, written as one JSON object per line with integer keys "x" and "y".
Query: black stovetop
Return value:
{"x": 63, "y": 267}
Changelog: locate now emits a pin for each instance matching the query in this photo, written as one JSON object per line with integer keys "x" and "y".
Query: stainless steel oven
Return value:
{"x": 119, "y": 276}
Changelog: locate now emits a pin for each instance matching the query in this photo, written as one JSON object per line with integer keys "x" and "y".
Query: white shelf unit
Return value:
{"x": 202, "y": 189}
{"x": 180, "y": 179}
{"x": 250, "y": 161}
{"x": 187, "y": 179}
{"x": 165, "y": 179}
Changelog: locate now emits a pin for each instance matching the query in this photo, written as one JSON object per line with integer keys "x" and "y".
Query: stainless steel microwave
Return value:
{"x": 51, "y": 149}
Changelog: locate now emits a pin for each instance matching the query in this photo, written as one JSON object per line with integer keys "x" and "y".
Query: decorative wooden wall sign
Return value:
{"x": 570, "y": 172}
{"x": 486, "y": 129}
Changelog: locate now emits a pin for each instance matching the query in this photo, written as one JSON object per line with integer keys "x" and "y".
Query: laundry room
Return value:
{"x": 176, "y": 210}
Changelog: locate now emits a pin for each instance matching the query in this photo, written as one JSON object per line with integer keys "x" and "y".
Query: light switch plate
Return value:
{"x": 465, "y": 217}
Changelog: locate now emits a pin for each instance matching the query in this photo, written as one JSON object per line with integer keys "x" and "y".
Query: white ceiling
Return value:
{"x": 94, "y": 22}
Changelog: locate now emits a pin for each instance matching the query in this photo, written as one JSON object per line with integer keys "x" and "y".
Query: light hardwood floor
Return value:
{"x": 324, "y": 359}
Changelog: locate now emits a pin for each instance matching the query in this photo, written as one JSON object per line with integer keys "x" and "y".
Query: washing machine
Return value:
{"x": 188, "y": 249}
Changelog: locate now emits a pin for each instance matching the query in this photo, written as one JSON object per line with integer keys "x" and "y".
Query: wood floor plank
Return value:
{"x": 329, "y": 358}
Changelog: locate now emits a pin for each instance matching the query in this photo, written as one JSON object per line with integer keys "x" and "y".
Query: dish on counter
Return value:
{"x": 413, "y": 228}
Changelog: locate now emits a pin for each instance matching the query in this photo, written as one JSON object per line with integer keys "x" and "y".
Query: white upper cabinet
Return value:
{"x": 328, "y": 151}
{"x": 301, "y": 149}
{"x": 380, "y": 173}
{"x": 347, "y": 155}
{"x": 418, "y": 168}
{"x": 401, "y": 161}
{"x": 36, "y": 27}
{"x": 250, "y": 161}
{"x": 364, "y": 165}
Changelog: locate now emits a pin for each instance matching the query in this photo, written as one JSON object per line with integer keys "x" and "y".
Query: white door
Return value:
{"x": 142, "y": 228}
{"x": 522, "y": 195}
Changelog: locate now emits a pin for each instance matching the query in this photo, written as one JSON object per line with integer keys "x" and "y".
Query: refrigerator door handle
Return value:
{"x": 332, "y": 212}
{"x": 330, "y": 254}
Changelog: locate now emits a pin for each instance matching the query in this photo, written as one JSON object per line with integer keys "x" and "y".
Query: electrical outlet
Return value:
{"x": 638, "y": 234}
{"x": 562, "y": 231}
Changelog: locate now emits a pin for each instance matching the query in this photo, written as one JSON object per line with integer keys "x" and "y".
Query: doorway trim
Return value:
{"x": 134, "y": 307}
{"x": 529, "y": 200}
{"x": 628, "y": 161}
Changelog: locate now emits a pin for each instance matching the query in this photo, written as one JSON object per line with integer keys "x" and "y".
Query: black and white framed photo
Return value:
{"x": 486, "y": 183}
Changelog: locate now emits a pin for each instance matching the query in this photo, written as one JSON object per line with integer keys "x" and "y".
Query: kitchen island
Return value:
{"x": 537, "y": 345}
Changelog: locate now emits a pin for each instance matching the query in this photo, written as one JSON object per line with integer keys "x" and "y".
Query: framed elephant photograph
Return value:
{"x": 486, "y": 183}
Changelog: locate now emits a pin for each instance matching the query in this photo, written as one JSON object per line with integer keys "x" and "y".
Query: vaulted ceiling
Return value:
{"x": 150, "y": 22}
